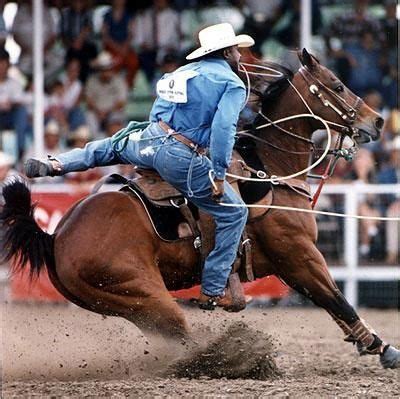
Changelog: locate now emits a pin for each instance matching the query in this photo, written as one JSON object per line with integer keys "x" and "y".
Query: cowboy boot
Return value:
{"x": 225, "y": 301}
{"x": 42, "y": 167}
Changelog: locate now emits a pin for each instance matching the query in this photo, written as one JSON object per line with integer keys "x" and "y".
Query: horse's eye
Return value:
{"x": 339, "y": 89}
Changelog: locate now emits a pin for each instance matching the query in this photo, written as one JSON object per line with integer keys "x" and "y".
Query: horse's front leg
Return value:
{"x": 306, "y": 271}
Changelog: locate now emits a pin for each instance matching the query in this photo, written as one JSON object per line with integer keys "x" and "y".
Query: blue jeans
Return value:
{"x": 186, "y": 171}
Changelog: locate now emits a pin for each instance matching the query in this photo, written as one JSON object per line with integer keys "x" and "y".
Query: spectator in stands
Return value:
{"x": 390, "y": 174}
{"x": 260, "y": 17}
{"x": 52, "y": 142}
{"x": 390, "y": 29}
{"x": 13, "y": 114}
{"x": 55, "y": 109}
{"x": 65, "y": 101}
{"x": 287, "y": 29}
{"x": 78, "y": 139}
{"x": 390, "y": 85}
{"x": 216, "y": 11}
{"x": 106, "y": 92}
{"x": 52, "y": 145}
{"x": 169, "y": 63}
{"x": 117, "y": 39}
{"x": 346, "y": 30}
{"x": 366, "y": 64}
{"x": 22, "y": 30}
{"x": 392, "y": 234}
{"x": 6, "y": 167}
{"x": 73, "y": 93}
{"x": 115, "y": 122}
{"x": 3, "y": 29}
{"x": 364, "y": 173}
{"x": 76, "y": 33}
{"x": 156, "y": 33}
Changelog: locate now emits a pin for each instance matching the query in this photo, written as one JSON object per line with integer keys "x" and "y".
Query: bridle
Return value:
{"x": 346, "y": 111}
{"x": 315, "y": 86}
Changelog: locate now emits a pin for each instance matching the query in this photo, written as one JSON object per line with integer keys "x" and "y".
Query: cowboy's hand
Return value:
{"x": 217, "y": 189}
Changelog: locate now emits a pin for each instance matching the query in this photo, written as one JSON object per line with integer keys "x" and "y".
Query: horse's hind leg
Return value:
{"x": 308, "y": 273}
{"x": 135, "y": 292}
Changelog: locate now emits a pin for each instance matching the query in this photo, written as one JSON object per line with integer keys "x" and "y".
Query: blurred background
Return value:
{"x": 88, "y": 67}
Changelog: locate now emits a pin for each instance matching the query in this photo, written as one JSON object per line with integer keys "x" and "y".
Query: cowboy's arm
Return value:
{"x": 223, "y": 129}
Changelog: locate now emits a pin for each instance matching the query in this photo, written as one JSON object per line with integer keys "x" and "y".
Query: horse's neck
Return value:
{"x": 282, "y": 163}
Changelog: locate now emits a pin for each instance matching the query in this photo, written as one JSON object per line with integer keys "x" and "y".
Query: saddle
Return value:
{"x": 174, "y": 218}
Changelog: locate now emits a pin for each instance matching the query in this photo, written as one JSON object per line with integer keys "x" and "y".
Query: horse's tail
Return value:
{"x": 24, "y": 240}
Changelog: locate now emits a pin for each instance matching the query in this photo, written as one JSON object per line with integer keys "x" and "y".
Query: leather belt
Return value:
{"x": 182, "y": 139}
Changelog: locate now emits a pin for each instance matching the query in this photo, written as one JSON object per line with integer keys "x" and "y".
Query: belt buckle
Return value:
{"x": 170, "y": 131}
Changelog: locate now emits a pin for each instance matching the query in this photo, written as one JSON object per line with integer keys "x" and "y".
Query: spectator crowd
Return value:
{"x": 94, "y": 52}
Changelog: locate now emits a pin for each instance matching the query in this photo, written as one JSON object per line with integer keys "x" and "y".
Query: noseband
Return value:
{"x": 348, "y": 112}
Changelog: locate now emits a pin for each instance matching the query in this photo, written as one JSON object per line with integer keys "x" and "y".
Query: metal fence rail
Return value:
{"x": 353, "y": 272}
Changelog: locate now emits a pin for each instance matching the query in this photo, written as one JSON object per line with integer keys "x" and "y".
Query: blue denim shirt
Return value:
{"x": 215, "y": 98}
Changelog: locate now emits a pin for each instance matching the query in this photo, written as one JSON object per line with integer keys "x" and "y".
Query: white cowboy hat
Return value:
{"x": 217, "y": 37}
{"x": 52, "y": 127}
{"x": 81, "y": 133}
{"x": 103, "y": 61}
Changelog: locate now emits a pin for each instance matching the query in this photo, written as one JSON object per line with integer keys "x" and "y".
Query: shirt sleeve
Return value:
{"x": 223, "y": 129}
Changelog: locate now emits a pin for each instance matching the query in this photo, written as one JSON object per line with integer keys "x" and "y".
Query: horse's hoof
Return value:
{"x": 390, "y": 358}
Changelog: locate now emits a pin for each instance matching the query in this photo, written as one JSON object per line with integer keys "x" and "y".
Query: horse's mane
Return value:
{"x": 272, "y": 86}
{"x": 284, "y": 70}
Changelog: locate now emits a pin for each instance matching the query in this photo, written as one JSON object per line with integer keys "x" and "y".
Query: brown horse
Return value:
{"x": 105, "y": 256}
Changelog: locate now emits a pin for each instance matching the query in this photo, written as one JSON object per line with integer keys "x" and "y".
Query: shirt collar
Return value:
{"x": 219, "y": 61}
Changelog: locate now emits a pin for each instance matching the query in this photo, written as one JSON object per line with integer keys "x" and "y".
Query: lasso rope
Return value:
{"x": 275, "y": 179}
{"x": 289, "y": 208}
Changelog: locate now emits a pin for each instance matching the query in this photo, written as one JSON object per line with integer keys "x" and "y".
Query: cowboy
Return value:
{"x": 197, "y": 107}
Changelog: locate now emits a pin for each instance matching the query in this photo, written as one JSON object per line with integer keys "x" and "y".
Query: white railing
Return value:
{"x": 352, "y": 272}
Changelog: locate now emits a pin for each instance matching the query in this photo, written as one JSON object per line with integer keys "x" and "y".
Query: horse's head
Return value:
{"x": 331, "y": 100}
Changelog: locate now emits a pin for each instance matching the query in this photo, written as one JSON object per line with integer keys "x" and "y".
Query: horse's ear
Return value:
{"x": 307, "y": 59}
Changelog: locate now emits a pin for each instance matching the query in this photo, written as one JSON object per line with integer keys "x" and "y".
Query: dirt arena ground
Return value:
{"x": 64, "y": 351}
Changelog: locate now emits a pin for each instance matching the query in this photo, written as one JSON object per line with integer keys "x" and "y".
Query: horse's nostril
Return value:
{"x": 379, "y": 123}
